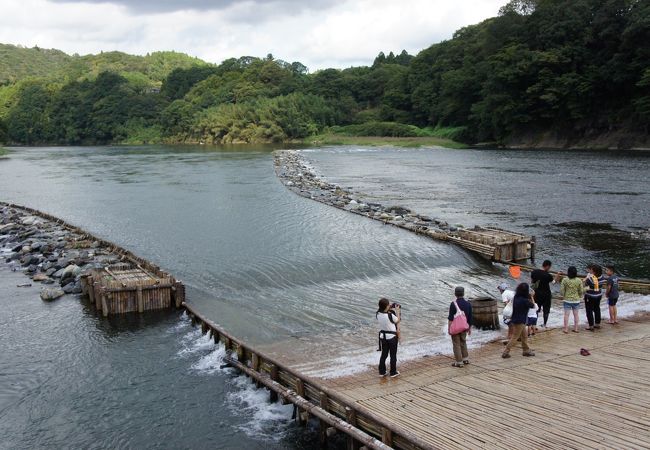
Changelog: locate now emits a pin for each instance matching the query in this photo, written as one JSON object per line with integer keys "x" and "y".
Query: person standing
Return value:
{"x": 612, "y": 294}
{"x": 459, "y": 340}
{"x": 388, "y": 319}
{"x": 520, "y": 306}
{"x": 593, "y": 281}
{"x": 571, "y": 290}
{"x": 541, "y": 281}
{"x": 507, "y": 295}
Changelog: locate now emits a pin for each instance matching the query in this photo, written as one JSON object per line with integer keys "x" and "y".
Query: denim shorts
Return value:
{"x": 569, "y": 305}
{"x": 531, "y": 321}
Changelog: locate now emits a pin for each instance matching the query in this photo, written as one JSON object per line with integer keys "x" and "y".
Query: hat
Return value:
{"x": 502, "y": 286}
{"x": 459, "y": 291}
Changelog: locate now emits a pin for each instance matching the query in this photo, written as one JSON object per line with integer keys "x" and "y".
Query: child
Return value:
{"x": 531, "y": 320}
{"x": 612, "y": 294}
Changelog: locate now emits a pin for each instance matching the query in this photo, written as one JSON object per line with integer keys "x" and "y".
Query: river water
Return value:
{"x": 293, "y": 276}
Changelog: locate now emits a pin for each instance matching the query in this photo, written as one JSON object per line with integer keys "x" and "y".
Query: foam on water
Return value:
{"x": 261, "y": 419}
{"x": 194, "y": 342}
{"x": 212, "y": 362}
{"x": 264, "y": 420}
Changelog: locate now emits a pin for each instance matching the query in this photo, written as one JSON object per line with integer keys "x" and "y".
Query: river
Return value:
{"x": 283, "y": 272}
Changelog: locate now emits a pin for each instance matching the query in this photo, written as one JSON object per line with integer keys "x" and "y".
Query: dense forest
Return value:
{"x": 577, "y": 68}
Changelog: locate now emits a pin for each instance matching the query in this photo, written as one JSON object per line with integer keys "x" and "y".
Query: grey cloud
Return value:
{"x": 165, "y": 6}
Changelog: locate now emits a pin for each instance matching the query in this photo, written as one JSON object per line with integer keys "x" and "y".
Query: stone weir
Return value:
{"x": 66, "y": 260}
{"x": 492, "y": 243}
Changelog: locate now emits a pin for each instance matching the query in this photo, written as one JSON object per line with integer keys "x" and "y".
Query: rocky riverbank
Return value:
{"x": 296, "y": 174}
{"x": 49, "y": 252}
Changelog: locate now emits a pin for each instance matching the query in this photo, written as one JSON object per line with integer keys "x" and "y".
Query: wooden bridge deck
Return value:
{"x": 557, "y": 399}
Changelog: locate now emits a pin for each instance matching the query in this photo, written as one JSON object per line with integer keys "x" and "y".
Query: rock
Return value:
{"x": 26, "y": 249}
{"x": 49, "y": 294}
{"x": 7, "y": 227}
{"x": 40, "y": 277}
{"x": 58, "y": 273}
{"x": 32, "y": 268}
{"x": 72, "y": 288}
{"x": 30, "y": 220}
{"x": 66, "y": 281}
{"x": 50, "y": 271}
{"x": 36, "y": 246}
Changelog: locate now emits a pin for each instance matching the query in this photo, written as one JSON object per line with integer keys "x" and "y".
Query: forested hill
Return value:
{"x": 576, "y": 71}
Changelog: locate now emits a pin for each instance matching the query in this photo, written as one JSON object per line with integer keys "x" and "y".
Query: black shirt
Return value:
{"x": 465, "y": 306}
{"x": 544, "y": 278}
{"x": 520, "y": 307}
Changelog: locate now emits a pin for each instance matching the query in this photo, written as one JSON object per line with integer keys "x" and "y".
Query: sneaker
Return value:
{"x": 396, "y": 374}
{"x": 382, "y": 375}
{"x": 457, "y": 364}
{"x": 505, "y": 355}
{"x": 466, "y": 361}
{"x": 529, "y": 353}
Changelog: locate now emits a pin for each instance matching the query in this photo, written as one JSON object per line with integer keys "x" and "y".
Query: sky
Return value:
{"x": 318, "y": 33}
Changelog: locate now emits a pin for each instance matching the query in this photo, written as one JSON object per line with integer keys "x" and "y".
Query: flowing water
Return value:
{"x": 294, "y": 276}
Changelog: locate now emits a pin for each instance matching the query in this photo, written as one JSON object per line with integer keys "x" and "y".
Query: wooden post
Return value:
{"x": 351, "y": 418}
{"x": 91, "y": 290}
{"x": 97, "y": 295}
{"x": 302, "y": 416}
{"x": 204, "y": 327}
{"x": 387, "y": 436}
{"x": 274, "y": 377}
{"x": 215, "y": 336}
{"x": 102, "y": 296}
{"x": 533, "y": 243}
{"x": 138, "y": 293}
{"x": 241, "y": 353}
{"x": 322, "y": 425}
{"x": 227, "y": 343}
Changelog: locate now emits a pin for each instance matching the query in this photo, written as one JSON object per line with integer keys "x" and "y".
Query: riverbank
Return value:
{"x": 374, "y": 141}
{"x": 555, "y": 139}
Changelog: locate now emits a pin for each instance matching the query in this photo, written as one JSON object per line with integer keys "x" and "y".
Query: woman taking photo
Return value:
{"x": 388, "y": 319}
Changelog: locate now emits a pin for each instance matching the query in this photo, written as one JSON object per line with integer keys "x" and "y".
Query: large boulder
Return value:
{"x": 71, "y": 271}
{"x": 49, "y": 294}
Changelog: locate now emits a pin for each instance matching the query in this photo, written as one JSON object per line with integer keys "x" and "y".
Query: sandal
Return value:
{"x": 584, "y": 352}
{"x": 457, "y": 364}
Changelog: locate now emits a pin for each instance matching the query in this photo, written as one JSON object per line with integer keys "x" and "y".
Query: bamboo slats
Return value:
{"x": 123, "y": 288}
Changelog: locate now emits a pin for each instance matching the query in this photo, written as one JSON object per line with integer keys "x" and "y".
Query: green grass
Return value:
{"x": 3, "y": 152}
{"x": 376, "y": 141}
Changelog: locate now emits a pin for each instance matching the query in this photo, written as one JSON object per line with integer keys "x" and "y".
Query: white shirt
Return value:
{"x": 386, "y": 325}
{"x": 507, "y": 296}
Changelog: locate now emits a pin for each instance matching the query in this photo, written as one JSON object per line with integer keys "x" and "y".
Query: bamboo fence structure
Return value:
{"x": 135, "y": 285}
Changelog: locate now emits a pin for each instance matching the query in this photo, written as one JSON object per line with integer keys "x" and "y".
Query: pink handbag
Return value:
{"x": 459, "y": 324}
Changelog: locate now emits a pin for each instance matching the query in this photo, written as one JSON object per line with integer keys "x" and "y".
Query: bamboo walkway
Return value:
{"x": 556, "y": 400}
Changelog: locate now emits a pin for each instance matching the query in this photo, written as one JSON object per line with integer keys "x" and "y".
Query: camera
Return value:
{"x": 395, "y": 305}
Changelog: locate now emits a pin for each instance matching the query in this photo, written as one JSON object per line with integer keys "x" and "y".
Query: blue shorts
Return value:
{"x": 531, "y": 321}
{"x": 612, "y": 301}
{"x": 569, "y": 305}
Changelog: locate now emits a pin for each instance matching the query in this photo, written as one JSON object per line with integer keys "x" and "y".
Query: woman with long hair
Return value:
{"x": 520, "y": 306}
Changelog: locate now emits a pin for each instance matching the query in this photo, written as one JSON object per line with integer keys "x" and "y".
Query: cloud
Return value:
{"x": 165, "y": 6}
{"x": 340, "y": 34}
